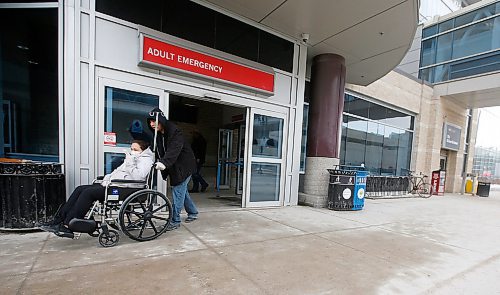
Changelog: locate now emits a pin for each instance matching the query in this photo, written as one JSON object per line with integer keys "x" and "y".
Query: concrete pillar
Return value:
{"x": 324, "y": 131}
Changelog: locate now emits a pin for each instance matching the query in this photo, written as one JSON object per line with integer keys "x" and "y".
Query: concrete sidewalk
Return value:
{"x": 441, "y": 245}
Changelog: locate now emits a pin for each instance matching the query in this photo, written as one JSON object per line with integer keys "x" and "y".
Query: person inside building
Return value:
{"x": 137, "y": 165}
{"x": 199, "y": 146}
{"x": 175, "y": 160}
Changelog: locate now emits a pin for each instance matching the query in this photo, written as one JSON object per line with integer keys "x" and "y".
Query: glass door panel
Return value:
{"x": 267, "y": 136}
{"x": 123, "y": 109}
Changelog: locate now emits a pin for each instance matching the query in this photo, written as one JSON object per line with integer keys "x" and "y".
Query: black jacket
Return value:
{"x": 199, "y": 146}
{"x": 173, "y": 150}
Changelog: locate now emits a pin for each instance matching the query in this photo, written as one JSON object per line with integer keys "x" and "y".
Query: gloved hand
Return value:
{"x": 160, "y": 166}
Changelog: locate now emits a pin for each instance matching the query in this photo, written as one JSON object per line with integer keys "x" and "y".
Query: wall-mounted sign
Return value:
{"x": 160, "y": 54}
{"x": 451, "y": 136}
{"x": 110, "y": 138}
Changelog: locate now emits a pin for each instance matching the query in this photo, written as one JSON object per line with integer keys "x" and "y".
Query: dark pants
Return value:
{"x": 79, "y": 202}
{"x": 197, "y": 178}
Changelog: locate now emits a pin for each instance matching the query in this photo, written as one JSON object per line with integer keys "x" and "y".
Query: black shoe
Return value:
{"x": 64, "y": 232}
{"x": 50, "y": 228}
{"x": 204, "y": 188}
{"x": 190, "y": 219}
{"x": 171, "y": 226}
{"x": 193, "y": 191}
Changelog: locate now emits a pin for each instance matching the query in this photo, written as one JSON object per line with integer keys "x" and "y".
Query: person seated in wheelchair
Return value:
{"x": 137, "y": 165}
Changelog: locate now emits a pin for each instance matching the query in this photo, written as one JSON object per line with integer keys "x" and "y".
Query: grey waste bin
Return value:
{"x": 29, "y": 193}
{"x": 483, "y": 189}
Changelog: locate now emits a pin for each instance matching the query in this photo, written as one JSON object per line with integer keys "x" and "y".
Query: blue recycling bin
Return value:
{"x": 347, "y": 187}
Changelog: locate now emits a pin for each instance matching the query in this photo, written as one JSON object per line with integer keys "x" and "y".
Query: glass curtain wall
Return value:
{"x": 462, "y": 46}
{"x": 375, "y": 136}
{"x": 29, "y": 125}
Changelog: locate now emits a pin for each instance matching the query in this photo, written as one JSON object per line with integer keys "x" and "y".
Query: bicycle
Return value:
{"x": 418, "y": 185}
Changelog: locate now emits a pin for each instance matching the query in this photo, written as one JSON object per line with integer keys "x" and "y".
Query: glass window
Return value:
{"x": 112, "y": 161}
{"x": 355, "y": 141}
{"x": 441, "y": 73}
{"x": 398, "y": 119}
{"x": 190, "y": 21}
{"x": 125, "y": 113}
{"x": 475, "y": 15}
{"x": 430, "y": 31}
{"x": 428, "y": 52}
{"x": 303, "y": 145}
{"x": 404, "y": 153}
{"x": 307, "y": 92}
{"x": 357, "y": 106}
{"x": 136, "y": 12}
{"x": 427, "y": 74}
{"x": 235, "y": 37}
{"x": 374, "y": 144}
{"x": 476, "y": 38}
{"x": 443, "y": 48}
{"x": 29, "y": 84}
{"x": 447, "y": 25}
{"x": 390, "y": 151}
{"x": 265, "y": 182}
{"x": 267, "y": 136}
{"x": 377, "y": 112}
{"x": 475, "y": 65}
{"x": 275, "y": 52}
{"x": 343, "y": 138}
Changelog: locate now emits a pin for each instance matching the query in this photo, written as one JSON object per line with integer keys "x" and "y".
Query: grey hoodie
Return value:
{"x": 135, "y": 167}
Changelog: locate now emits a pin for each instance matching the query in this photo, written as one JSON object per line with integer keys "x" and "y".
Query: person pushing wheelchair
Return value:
{"x": 176, "y": 160}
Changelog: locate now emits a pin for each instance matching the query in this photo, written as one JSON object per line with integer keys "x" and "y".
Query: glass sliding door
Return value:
{"x": 267, "y": 159}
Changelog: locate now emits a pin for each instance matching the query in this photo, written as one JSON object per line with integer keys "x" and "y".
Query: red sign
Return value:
{"x": 177, "y": 58}
{"x": 110, "y": 138}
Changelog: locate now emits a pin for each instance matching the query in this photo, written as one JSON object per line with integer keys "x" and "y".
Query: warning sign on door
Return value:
{"x": 110, "y": 138}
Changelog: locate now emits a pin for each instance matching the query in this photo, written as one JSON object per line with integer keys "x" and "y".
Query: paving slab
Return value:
{"x": 308, "y": 220}
{"x": 11, "y": 284}
{"x": 434, "y": 259}
{"x": 65, "y": 253}
{"x": 18, "y": 252}
{"x": 313, "y": 265}
{"x": 197, "y": 272}
{"x": 236, "y": 227}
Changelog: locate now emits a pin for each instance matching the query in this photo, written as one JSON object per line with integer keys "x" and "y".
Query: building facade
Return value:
{"x": 78, "y": 85}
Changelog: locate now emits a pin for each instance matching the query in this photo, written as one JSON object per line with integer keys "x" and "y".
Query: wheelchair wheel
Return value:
{"x": 110, "y": 239}
{"x": 144, "y": 215}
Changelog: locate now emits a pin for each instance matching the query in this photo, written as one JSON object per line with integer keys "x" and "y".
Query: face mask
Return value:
{"x": 134, "y": 153}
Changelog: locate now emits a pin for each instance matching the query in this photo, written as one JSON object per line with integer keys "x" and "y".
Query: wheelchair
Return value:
{"x": 129, "y": 206}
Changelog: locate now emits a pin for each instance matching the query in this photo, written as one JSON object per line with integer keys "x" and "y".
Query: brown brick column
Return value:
{"x": 326, "y": 106}
{"x": 324, "y": 131}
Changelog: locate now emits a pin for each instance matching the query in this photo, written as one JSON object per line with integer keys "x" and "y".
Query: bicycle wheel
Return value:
{"x": 144, "y": 215}
{"x": 424, "y": 190}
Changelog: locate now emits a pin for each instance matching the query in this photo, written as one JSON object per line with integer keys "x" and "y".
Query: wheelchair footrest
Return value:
{"x": 82, "y": 225}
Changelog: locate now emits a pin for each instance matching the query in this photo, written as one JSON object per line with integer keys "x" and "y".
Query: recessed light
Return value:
{"x": 22, "y": 47}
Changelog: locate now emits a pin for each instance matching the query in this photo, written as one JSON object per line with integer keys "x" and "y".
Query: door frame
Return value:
{"x": 249, "y": 158}
{"x": 203, "y": 92}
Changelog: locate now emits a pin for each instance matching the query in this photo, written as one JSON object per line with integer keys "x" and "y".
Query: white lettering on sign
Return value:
{"x": 185, "y": 60}
{"x": 199, "y": 64}
{"x": 161, "y": 53}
